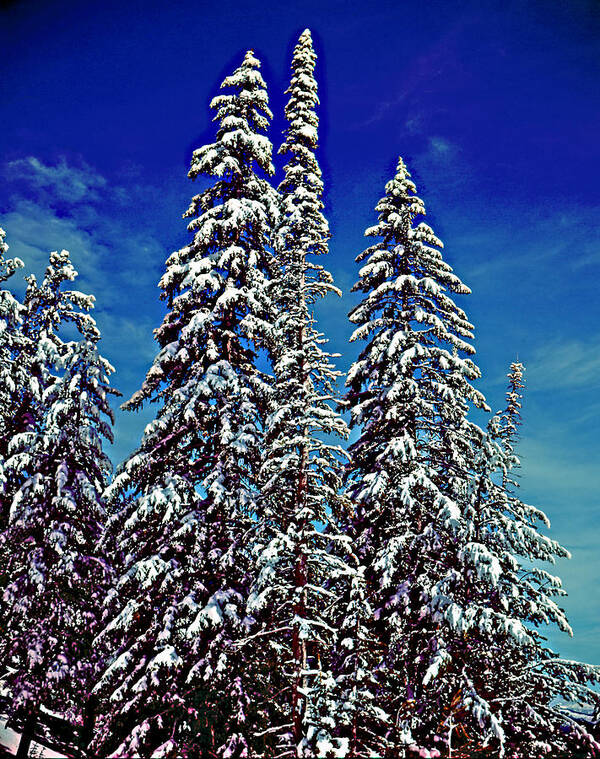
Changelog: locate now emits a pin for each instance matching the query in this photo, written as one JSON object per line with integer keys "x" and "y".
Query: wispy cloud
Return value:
{"x": 442, "y": 154}
{"x": 440, "y": 147}
{"x": 562, "y": 481}
{"x": 530, "y": 239}
{"x": 34, "y": 229}
{"x": 438, "y": 59}
{"x": 94, "y": 222}
{"x": 566, "y": 364}
{"x": 62, "y": 182}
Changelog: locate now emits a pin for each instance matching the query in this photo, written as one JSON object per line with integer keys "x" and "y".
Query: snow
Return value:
{"x": 9, "y": 739}
{"x": 168, "y": 657}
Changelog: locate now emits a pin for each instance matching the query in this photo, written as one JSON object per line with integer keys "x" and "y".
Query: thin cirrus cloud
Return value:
{"x": 62, "y": 182}
{"x": 560, "y": 456}
{"x": 439, "y": 59}
{"x": 567, "y": 364}
{"x": 562, "y": 482}
{"x": 548, "y": 252}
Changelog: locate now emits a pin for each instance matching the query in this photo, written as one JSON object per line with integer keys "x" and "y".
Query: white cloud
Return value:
{"x": 63, "y": 182}
{"x": 33, "y": 230}
{"x": 111, "y": 254}
{"x": 439, "y": 146}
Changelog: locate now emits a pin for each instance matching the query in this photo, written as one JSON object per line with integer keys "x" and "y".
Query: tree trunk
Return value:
{"x": 299, "y": 651}
{"x": 87, "y": 729}
{"x": 300, "y": 570}
{"x": 27, "y": 735}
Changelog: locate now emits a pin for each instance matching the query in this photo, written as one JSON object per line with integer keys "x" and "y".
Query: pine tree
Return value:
{"x": 450, "y": 553}
{"x": 13, "y": 375}
{"x": 177, "y": 683}
{"x": 299, "y": 552}
{"x": 517, "y": 681}
{"x": 54, "y": 576}
{"x": 510, "y": 420}
{"x": 410, "y": 391}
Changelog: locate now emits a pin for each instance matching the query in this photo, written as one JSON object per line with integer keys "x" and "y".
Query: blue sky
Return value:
{"x": 493, "y": 106}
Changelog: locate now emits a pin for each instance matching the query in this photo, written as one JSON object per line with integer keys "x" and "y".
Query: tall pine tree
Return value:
{"x": 298, "y": 549}
{"x": 176, "y": 683}
{"x": 410, "y": 391}
{"x": 450, "y": 553}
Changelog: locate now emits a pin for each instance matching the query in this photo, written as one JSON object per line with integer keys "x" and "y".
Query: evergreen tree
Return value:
{"x": 510, "y": 420}
{"x": 54, "y": 576}
{"x": 8, "y": 266}
{"x": 177, "y": 683}
{"x": 450, "y": 554}
{"x": 13, "y": 375}
{"x": 517, "y": 681}
{"x": 298, "y": 550}
{"x": 410, "y": 391}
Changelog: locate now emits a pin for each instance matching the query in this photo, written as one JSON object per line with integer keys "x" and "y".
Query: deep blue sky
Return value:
{"x": 494, "y": 107}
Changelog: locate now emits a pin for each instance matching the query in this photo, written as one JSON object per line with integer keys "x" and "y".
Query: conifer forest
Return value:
{"x": 292, "y": 562}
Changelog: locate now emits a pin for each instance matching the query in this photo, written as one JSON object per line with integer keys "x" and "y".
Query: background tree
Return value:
{"x": 13, "y": 374}
{"x": 55, "y": 579}
{"x": 521, "y": 686}
{"x": 357, "y": 660}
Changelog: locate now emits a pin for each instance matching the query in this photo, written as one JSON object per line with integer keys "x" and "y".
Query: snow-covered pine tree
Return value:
{"x": 519, "y": 684}
{"x": 177, "y": 683}
{"x": 450, "y": 554}
{"x": 409, "y": 391}
{"x": 55, "y": 580}
{"x": 298, "y": 550}
{"x": 14, "y": 380}
{"x": 13, "y": 374}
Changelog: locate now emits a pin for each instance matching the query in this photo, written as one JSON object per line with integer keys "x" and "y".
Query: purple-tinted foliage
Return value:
{"x": 54, "y": 578}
